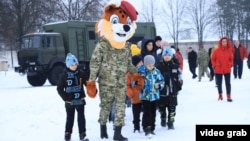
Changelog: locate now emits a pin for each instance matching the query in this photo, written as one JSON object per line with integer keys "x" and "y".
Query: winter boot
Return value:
{"x": 136, "y": 127}
{"x": 148, "y": 132}
{"x": 220, "y": 97}
{"x": 170, "y": 125}
{"x": 163, "y": 122}
{"x": 229, "y": 99}
{"x": 82, "y": 137}
{"x": 117, "y": 135}
{"x": 171, "y": 120}
{"x": 104, "y": 131}
{"x": 67, "y": 136}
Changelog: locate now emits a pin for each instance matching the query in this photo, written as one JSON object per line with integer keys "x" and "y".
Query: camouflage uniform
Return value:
{"x": 202, "y": 61}
{"x": 111, "y": 66}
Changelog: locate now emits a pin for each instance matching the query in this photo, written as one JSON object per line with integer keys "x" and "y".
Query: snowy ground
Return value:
{"x": 37, "y": 113}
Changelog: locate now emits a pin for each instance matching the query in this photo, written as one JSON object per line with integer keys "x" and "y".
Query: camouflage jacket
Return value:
{"x": 110, "y": 64}
{"x": 202, "y": 58}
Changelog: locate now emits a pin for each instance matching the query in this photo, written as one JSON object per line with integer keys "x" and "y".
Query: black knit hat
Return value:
{"x": 158, "y": 38}
{"x": 136, "y": 59}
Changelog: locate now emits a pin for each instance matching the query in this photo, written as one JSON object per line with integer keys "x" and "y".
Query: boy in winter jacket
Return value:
{"x": 70, "y": 88}
{"x": 173, "y": 83}
{"x": 134, "y": 85}
{"x": 150, "y": 94}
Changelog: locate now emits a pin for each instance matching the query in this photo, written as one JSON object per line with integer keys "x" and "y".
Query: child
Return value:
{"x": 173, "y": 83}
{"x": 149, "y": 95}
{"x": 134, "y": 85}
{"x": 70, "y": 88}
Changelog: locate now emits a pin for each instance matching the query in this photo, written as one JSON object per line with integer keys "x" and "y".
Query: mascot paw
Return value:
{"x": 140, "y": 81}
{"x": 91, "y": 89}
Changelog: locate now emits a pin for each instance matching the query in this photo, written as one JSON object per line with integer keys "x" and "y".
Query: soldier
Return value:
{"x": 202, "y": 62}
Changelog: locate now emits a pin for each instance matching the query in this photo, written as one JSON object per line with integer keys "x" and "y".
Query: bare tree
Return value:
{"x": 200, "y": 17}
{"x": 88, "y": 10}
{"x": 173, "y": 17}
{"x": 22, "y": 16}
{"x": 148, "y": 11}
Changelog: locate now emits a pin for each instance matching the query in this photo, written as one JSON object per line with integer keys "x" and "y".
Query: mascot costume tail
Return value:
{"x": 111, "y": 61}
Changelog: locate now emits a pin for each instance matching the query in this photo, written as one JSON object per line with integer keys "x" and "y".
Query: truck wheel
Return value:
{"x": 36, "y": 80}
{"x": 54, "y": 74}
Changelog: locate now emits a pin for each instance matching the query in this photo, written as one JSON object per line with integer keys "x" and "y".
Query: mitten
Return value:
{"x": 139, "y": 81}
{"x": 91, "y": 89}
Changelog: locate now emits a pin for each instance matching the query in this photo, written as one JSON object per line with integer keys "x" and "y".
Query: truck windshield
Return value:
{"x": 31, "y": 42}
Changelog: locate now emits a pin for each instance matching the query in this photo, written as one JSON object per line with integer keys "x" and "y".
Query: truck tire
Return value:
{"x": 36, "y": 80}
{"x": 55, "y": 73}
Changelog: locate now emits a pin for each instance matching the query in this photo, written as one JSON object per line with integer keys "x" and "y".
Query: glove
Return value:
{"x": 91, "y": 89}
{"x": 157, "y": 85}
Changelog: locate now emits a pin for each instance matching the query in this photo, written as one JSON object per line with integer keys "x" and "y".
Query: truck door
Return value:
{"x": 48, "y": 50}
{"x": 91, "y": 39}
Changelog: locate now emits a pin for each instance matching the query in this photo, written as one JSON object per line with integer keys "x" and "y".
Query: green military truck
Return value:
{"x": 42, "y": 55}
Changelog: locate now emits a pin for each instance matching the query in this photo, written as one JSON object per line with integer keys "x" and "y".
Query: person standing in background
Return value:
{"x": 192, "y": 58}
{"x": 222, "y": 62}
{"x": 240, "y": 53}
{"x": 202, "y": 62}
{"x": 178, "y": 55}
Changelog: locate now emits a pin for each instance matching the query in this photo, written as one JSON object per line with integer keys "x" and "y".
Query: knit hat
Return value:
{"x": 148, "y": 60}
{"x": 168, "y": 51}
{"x": 136, "y": 59}
{"x": 158, "y": 38}
{"x": 71, "y": 59}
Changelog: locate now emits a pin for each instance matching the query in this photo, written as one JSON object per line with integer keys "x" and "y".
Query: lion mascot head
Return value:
{"x": 117, "y": 24}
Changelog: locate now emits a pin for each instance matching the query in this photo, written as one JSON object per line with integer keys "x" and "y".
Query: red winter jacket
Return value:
{"x": 180, "y": 59}
{"x": 222, "y": 57}
{"x": 243, "y": 52}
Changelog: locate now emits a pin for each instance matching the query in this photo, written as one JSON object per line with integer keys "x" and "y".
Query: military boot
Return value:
{"x": 104, "y": 131}
{"x": 117, "y": 135}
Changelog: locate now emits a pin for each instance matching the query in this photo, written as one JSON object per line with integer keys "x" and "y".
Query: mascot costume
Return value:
{"x": 111, "y": 61}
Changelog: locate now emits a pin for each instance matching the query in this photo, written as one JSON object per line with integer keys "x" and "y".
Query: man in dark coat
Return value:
{"x": 192, "y": 58}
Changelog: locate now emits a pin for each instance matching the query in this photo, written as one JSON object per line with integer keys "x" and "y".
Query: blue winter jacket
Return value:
{"x": 151, "y": 79}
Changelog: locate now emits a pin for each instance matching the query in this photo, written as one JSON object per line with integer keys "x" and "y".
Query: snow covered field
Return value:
{"x": 38, "y": 114}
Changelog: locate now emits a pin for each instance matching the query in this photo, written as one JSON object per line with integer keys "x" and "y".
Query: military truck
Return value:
{"x": 42, "y": 55}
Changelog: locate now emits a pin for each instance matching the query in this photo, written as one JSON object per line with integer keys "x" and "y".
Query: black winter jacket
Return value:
{"x": 70, "y": 85}
{"x": 171, "y": 72}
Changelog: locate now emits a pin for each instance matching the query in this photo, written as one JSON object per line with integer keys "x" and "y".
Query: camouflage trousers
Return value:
{"x": 107, "y": 95}
{"x": 202, "y": 70}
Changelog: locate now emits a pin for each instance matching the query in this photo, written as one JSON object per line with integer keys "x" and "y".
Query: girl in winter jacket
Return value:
{"x": 222, "y": 62}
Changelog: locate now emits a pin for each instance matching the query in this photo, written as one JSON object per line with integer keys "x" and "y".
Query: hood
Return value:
{"x": 144, "y": 50}
{"x": 229, "y": 44}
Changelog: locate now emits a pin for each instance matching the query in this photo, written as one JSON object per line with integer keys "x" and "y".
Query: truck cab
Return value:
{"x": 38, "y": 52}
